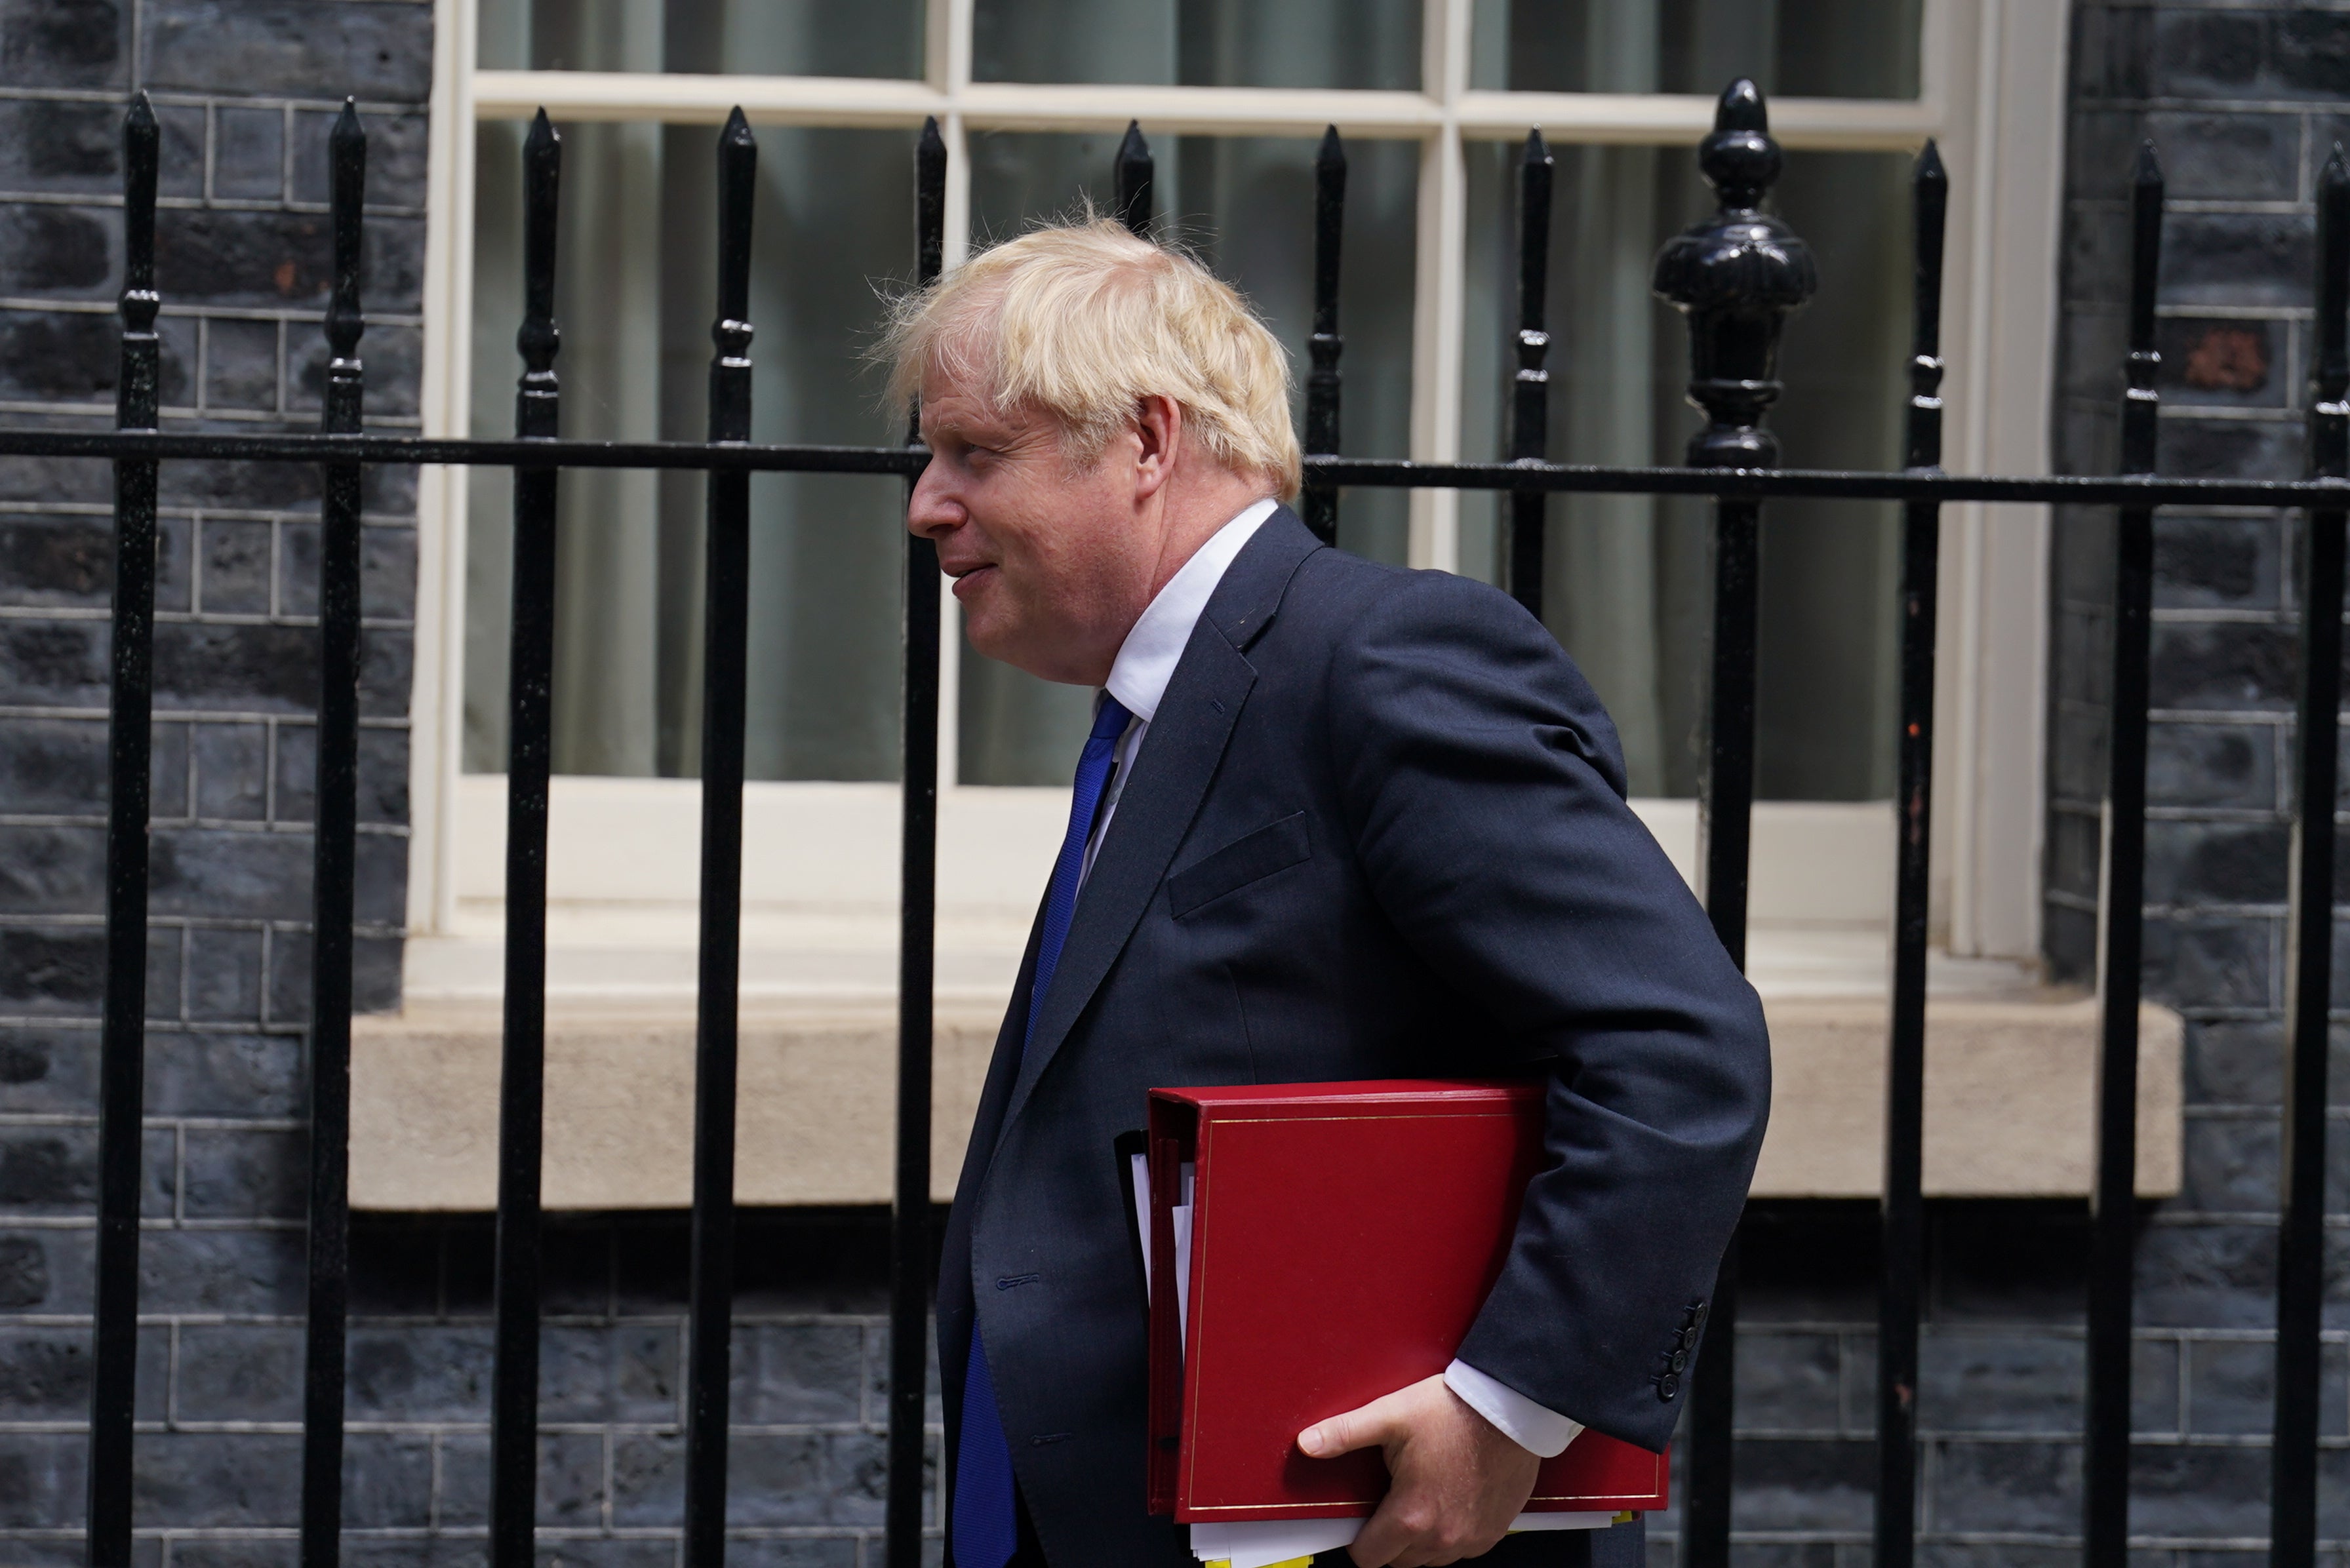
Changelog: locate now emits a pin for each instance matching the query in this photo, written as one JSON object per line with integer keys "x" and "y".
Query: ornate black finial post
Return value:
{"x": 726, "y": 619}
{"x": 909, "y": 1209}
{"x": 1737, "y": 277}
{"x": 1133, "y": 170}
{"x": 514, "y": 1380}
{"x": 122, "y": 1029}
{"x": 1320, "y": 501}
{"x": 1530, "y": 390}
{"x": 1903, "y": 1215}
{"x": 334, "y": 848}
{"x": 2113, "y": 1205}
{"x": 2300, "y": 1241}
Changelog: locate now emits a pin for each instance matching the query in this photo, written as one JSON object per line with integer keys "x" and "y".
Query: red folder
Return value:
{"x": 1342, "y": 1238}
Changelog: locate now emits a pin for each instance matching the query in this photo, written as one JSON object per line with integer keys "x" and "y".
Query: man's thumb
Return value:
{"x": 1363, "y": 1428}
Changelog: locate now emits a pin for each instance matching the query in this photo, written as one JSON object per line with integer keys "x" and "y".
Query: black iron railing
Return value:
{"x": 1737, "y": 276}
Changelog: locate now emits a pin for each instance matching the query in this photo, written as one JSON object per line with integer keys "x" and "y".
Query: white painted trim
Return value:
{"x": 436, "y": 700}
{"x": 1999, "y": 340}
{"x": 1439, "y": 284}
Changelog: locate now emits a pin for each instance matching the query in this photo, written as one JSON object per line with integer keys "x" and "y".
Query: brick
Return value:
{"x": 65, "y": 561}
{"x": 240, "y": 257}
{"x": 48, "y": 1071}
{"x": 2231, "y": 1164}
{"x": 388, "y": 573}
{"x": 58, "y": 250}
{"x": 48, "y": 1170}
{"x": 223, "y": 975}
{"x": 2231, "y": 449}
{"x": 240, "y": 1372}
{"x": 51, "y": 870}
{"x": 254, "y": 669}
{"x": 42, "y": 1480}
{"x": 219, "y": 1479}
{"x": 876, "y": 1373}
{"x": 248, "y": 152}
{"x": 2207, "y": 1276}
{"x": 1789, "y": 1382}
{"x": 2235, "y": 1063}
{"x": 232, "y": 771}
{"x": 224, "y": 1271}
{"x": 45, "y": 1374}
{"x": 387, "y": 1480}
{"x": 257, "y": 486}
{"x": 629, "y": 1372}
{"x": 387, "y": 672}
{"x": 1797, "y": 1483}
{"x": 420, "y": 1372}
{"x": 221, "y": 1074}
{"x": 367, "y": 50}
{"x": 2233, "y": 362}
{"x": 52, "y": 971}
{"x": 55, "y": 765}
{"x": 570, "y": 1480}
{"x": 375, "y": 979}
{"x": 2309, "y": 54}
{"x": 61, "y": 663}
{"x": 47, "y": 1272}
{"x": 2209, "y": 54}
{"x": 2191, "y": 1490}
{"x": 804, "y": 1552}
{"x": 2236, "y": 258}
{"x": 2192, "y": 863}
{"x": 2014, "y": 1381}
{"x": 396, "y": 148}
{"x": 237, "y": 559}
{"x": 2153, "y": 1386}
{"x": 797, "y": 1372}
{"x": 2231, "y": 765}
{"x": 62, "y": 147}
{"x": 63, "y": 43}
{"x": 220, "y": 873}
{"x": 2233, "y": 157}
{"x": 235, "y": 1173}
{"x": 241, "y": 368}
{"x": 62, "y": 356}
{"x": 168, "y": 799}
{"x": 2209, "y": 962}
{"x": 2224, "y": 666}
{"x": 246, "y": 1551}
{"x": 2009, "y": 1487}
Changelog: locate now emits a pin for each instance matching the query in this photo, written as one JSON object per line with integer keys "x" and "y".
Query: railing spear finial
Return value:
{"x": 1134, "y": 169}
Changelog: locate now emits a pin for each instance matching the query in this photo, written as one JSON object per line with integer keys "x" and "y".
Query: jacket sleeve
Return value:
{"x": 1483, "y": 789}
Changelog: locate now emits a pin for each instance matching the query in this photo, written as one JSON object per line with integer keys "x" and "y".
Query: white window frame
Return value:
{"x": 1991, "y": 94}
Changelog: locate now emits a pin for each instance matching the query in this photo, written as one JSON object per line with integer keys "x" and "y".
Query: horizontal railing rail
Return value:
{"x": 1737, "y": 276}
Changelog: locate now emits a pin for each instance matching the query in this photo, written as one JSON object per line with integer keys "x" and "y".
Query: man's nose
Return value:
{"x": 930, "y": 512}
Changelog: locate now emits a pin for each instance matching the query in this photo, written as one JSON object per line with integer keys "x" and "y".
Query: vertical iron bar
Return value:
{"x": 513, "y": 1399}
{"x": 1737, "y": 276}
{"x": 1529, "y": 392}
{"x": 1319, "y": 504}
{"x": 1133, "y": 175}
{"x": 2113, "y": 1207}
{"x": 2309, "y": 927}
{"x": 724, "y": 660}
{"x": 122, "y": 1037}
{"x": 1903, "y": 1216}
{"x": 910, "y": 1214}
{"x": 334, "y": 848}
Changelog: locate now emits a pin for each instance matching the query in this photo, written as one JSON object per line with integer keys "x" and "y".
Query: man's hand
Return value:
{"x": 1455, "y": 1481}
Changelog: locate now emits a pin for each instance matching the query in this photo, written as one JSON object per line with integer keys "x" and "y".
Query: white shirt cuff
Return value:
{"x": 1541, "y": 1432}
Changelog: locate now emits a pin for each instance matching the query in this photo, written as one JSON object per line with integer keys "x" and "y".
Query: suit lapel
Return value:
{"x": 1171, "y": 775}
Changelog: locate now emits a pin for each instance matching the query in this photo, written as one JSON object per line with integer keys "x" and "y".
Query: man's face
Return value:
{"x": 1048, "y": 558}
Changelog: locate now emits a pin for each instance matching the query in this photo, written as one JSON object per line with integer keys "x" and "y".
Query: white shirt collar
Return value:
{"x": 1147, "y": 658}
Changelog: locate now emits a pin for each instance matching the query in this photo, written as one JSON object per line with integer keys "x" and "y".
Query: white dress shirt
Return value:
{"x": 1146, "y": 662}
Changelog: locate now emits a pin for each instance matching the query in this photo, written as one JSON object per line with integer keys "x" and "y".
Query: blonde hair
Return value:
{"x": 1083, "y": 320}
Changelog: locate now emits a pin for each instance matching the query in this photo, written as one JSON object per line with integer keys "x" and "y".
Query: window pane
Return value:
{"x": 1199, "y": 43}
{"x": 1808, "y": 49}
{"x": 727, "y": 37}
{"x": 1628, "y": 580}
{"x": 635, "y": 294}
{"x": 1245, "y": 206}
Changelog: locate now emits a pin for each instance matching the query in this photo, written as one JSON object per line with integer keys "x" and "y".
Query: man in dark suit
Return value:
{"x": 1334, "y": 821}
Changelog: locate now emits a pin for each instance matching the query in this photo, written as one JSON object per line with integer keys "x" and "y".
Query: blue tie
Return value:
{"x": 984, "y": 1533}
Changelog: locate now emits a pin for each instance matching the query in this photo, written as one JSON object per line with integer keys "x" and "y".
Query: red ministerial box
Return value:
{"x": 1342, "y": 1238}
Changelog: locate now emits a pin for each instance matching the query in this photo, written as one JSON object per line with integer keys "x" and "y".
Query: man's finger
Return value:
{"x": 1387, "y": 1535}
{"x": 1366, "y": 1428}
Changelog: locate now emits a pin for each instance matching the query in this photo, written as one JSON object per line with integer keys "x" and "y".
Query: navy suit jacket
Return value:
{"x": 1376, "y": 830}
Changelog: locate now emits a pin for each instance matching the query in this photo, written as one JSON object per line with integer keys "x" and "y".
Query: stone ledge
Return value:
{"x": 2009, "y": 1087}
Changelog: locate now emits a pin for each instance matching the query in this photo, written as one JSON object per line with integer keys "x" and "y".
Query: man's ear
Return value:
{"x": 1159, "y": 430}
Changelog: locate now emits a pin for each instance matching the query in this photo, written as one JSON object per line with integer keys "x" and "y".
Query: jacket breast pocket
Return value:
{"x": 1275, "y": 846}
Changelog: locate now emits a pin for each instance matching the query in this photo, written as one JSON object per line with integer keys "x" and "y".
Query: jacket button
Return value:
{"x": 1667, "y": 1385}
{"x": 1680, "y": 1361}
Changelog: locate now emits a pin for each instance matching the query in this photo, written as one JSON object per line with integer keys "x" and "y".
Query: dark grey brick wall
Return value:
{"x": 2245, "y": 101}
{"x": 245, "y": 91}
